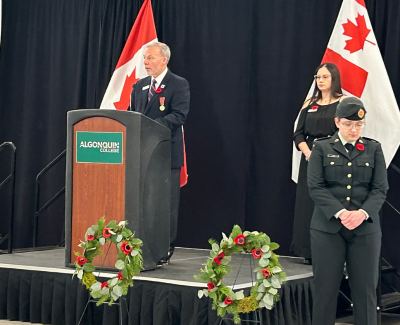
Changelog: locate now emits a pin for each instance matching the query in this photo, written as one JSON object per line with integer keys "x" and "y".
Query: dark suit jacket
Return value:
{"x": 177, "y": 97}
{"x": 338, "y": 181}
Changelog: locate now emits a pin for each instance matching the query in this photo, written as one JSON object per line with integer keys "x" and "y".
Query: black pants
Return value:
{"x": 175, "y": 197}
{"x": 361, "y": 254}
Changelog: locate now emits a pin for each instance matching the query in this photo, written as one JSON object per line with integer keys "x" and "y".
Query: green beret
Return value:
{"x": 351, "y": 108}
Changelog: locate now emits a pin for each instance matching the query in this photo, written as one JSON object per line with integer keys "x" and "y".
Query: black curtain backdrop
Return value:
{"x": 249, "y": 65}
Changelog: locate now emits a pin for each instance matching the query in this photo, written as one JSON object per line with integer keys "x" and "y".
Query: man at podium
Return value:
{"x": 164, "y": 97}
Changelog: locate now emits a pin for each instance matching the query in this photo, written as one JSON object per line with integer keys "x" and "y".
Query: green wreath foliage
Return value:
{"x": 129, "y": 260}
{"x": 270, "y": 275}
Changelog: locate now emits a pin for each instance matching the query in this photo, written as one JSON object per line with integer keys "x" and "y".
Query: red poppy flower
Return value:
{"x": 360, "y": 146}
{"x": 210, "y": 286}
{"x": 266, "y": 272}
{"x": 90, "y": 237}
{"x": 81, "y": 260}
{"x": 158, "y": 90}
{"x": 106, "y": 233}
{"x": 120, "y": 276}
{"x": 240, "y": 240}
{"x": 314, "y": 108}
{"x": 228, "y": 301}
{"x": 257, "y": 252}
{"x": 219, "y": 258}
{"x": 104, "y": 284}
{"x": 126, "y": 248}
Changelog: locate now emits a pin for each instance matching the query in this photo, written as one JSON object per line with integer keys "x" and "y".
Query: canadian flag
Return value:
{"x": 130, "y": 66}
{"x": 354, "y": 50}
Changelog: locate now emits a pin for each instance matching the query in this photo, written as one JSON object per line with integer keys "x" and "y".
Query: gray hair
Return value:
{"x": 164, "y": 49}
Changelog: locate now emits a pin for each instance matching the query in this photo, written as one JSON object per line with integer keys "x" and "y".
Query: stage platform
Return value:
{"x": 36, "y": 287}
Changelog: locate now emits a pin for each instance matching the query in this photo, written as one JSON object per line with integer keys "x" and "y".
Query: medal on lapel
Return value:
{"x": 162, "y": 101}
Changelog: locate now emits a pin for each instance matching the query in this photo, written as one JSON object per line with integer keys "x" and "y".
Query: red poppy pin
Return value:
{"x": 360, "y": 146}
{"x": 314, "y": 108}
{"x": 160, "y": 89}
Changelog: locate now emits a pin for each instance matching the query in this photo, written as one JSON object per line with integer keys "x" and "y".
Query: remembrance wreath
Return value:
{"x": 129, "y": 261}
{"x": 269, "y": 273}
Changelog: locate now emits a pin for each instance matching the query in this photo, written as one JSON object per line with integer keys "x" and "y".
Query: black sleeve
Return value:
{"x": 299, "y": 135}
{"x": 179, "y": 107}
{"x": 131, "y": 106}
{"x": 378, "y": 186}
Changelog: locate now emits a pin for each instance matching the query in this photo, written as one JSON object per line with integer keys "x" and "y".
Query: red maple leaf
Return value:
{"x": 123, "y": 103}
{"x": 358, "y": 34}
{"x": 361, "y": 2}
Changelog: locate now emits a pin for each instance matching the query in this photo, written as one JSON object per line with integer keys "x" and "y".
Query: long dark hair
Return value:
{"x": 336, "y": 86}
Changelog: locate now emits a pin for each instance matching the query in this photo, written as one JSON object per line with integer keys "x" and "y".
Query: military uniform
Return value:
{"x": 352, "y": 181}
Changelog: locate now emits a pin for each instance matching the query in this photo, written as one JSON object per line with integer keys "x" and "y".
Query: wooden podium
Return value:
{"x": 118, "y": 166}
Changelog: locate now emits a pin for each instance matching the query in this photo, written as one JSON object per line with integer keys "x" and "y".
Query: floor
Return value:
{"x": 184, "y": 264}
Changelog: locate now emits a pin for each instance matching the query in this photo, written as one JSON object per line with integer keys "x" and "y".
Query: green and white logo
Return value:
{"x": 99, "y": 147}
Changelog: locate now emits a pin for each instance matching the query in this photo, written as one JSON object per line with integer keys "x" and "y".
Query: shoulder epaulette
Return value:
{"x": 369, "y": 139}
{"x": 323, "y": 138}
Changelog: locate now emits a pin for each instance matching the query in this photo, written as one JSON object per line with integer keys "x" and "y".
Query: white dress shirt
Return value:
{"x": 159, "y": 78}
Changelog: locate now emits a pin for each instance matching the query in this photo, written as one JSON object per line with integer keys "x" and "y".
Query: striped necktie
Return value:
{"x": 152, "y": 89}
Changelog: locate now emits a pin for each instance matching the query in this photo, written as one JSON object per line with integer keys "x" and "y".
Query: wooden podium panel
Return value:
{"x": 98, "y": 189}
{"x": 132, "y": 184}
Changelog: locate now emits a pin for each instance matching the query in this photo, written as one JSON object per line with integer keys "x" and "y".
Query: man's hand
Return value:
{"x": 352, "y": 219}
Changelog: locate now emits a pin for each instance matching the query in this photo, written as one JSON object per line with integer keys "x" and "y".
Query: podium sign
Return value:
{"x": 118, "y": 166}
{"x": 99, "y": 147}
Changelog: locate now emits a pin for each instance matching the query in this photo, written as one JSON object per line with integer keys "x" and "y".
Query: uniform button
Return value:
{"x": 348, "y": 198}
{"x": 336, "y": 140}
{"x": 349, "y": 164}
{"x": 348, "y": 187}
{"x": 366, "y": 164}
{"x": 348, "y": 175}
{"x": 332, "y": 162}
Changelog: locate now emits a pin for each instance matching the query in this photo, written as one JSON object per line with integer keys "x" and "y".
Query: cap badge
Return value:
{"x": 360, "y": 113}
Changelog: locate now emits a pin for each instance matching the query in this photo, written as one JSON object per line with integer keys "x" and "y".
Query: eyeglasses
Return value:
{"x": 348, "y": 125}
{"x": 324, "y": 77}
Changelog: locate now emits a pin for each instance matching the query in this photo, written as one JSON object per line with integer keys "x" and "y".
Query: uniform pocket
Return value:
{"x": 333, "y": 168}
{"x": 365, "y": 168}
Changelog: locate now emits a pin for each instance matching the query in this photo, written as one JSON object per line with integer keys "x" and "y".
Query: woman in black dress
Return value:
{"x": 316, "y": 120}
